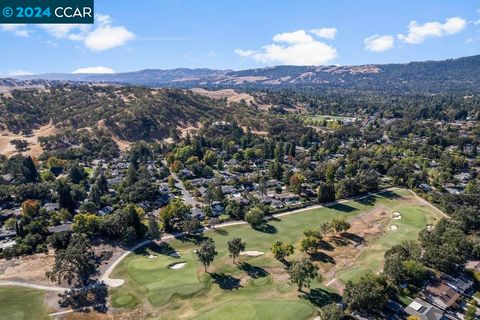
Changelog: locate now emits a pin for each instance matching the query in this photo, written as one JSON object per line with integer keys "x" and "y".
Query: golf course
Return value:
{"x": 18, "y": 303}
{"x": 167, "y": 278}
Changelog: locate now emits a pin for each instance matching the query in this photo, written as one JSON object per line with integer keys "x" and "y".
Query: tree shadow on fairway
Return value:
{"x": 343, "y": 207}
{"x": 266, "y": 228}
{"x": 220, "y": 231}
{"x": 391, "y": 195}
{"x": 225, "y": 282}
{"x": 320, "y": 297}
{"x": 193, "y": 238}
{"x": 163, "y": 248}
{"x": 322, "y": 257}
{"x": 253, "y": 271}
{"x": 368, "y": 201}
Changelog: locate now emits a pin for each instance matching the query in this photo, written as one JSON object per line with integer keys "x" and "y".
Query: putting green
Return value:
{"x": 18, "y": 303}
{"x": 264, "y": 309}
{"x": 158, "y": 280}
{"x": 258, "y": 284}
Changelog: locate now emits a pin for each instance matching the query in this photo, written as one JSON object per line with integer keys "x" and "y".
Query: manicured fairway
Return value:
{"x": 256, "y": 287}
{"x": 18, "y": 303}
{"x": 264, "y": 309}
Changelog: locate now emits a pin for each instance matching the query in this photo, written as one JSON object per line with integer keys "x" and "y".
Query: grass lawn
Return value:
{"x": 256, "y": 287}
{"x": 246, "y": 310}
{"x": 18, "y": 303}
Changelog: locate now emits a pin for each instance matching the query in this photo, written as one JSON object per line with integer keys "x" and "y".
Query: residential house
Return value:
{"x": 473, "y": 265}
{"x": 423, "y": 310}
{"x": 67, "y": 227}
{"x": 104, "y": 211}
{"x": 440, "y": 294}
{"x": 462, "y": 283}
{"x": 50, "y": 206}
{"x": 228, "y": 189}
{"x": 6, "y": 178}
{"x": 217, "y": 208}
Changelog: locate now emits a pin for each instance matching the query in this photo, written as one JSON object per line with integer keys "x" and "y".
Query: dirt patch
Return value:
{"x": 28, "y": 268}
{"x": 35, "y": 150}
{"x": 231, "y": 96}
{"x": 343, "y": 250}
{"x": 123, "y": 145}
{"x": 251, "y": 253}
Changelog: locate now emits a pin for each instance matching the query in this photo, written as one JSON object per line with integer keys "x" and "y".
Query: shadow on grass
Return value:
{"x": 343, "y": 207}
{"x": 193, "y": 238}
{"x": 320, "y": 297}
{"x": 390, "y": 195}
{"x": 225, "y": 281}
{"x": 163, "y": 248}
{"x": 266, "y": 228}
{"x": 322, "y": 257}
{"x": 253, "y": 271}
{"x": 220, "y": 231}
{"x": 368, "y": 201}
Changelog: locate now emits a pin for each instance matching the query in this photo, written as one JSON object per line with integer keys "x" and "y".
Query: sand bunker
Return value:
{"x": 397, "y": 216}
{"x": 114, "y": 283}
{"x": 251, "y": 253}
{"x": 393, "y": 227}
{"x": 179, "y": 265}
{"x": 152, "y": 257}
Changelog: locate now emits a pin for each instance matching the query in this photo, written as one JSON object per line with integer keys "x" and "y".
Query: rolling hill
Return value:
{"x": 453, "y": 75}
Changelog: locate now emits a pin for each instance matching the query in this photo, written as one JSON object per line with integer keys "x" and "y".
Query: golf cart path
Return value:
{"x": 32, "y": 286}
{"x": 105, "y": 276}
{"x": 118, "y": 282}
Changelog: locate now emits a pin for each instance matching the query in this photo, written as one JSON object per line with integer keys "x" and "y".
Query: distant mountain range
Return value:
{"x": 453, "y": 75}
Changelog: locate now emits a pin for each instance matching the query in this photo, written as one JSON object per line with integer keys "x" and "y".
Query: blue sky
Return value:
{"x": 238, "y": 34}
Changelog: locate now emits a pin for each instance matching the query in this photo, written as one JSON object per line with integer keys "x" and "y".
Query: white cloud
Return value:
{"x": 379, "y": 43}
{"x": 417, "y": 33}
{"x": 107, "y": 37}
{"x": 17, "y": 29}
{"x": 326, "y": 33}
{"x": 103, "y": 35}
{"x": 295, "y": 37}
{"x": 61, "y": 31}
{"x": 245, "y": 53}
{"x": 16, "y": 73}
{"x": 98, "y": 69}
{"x": 292, "y": 48}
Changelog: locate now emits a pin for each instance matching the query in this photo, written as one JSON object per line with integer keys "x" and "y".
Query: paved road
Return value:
{"x": 185, "y": 194}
